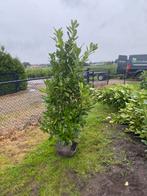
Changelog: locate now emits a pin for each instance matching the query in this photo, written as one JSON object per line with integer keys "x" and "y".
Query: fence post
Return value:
{"x": 87, "y": 75}
{"x": 93, "y": 78}
{"x": 124, "y": 77}
{"x": 17, "y": 83}
{"x": 108, "y": 77}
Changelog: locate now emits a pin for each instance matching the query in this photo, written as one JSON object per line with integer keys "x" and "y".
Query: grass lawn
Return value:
{"x": 42, "y": 172}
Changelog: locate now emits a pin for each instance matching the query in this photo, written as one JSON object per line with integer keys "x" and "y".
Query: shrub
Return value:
{"x": 67, "y": 97}
{"x": 143, "y": 83}
{"x": 38, "y": 72}
{"x": 131, "y": 107}
{"x": 11, "y": 69}
{"x": 116, "y": 96}
{"x": 135, "y": 116}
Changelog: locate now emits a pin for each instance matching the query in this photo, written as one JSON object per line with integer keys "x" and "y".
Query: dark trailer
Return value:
{"x": 132, "y": 66}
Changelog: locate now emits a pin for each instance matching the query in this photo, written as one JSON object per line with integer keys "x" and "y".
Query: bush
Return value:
{"x": 143, "y": 83}
{"x": 135, "y": 116}
{"x": 67, "y": 97}
{"x": 38, "y": 72}
{"x": 116, "y": 96}
{"x": 11, "y": 69}
{"x": 131, "y": 107}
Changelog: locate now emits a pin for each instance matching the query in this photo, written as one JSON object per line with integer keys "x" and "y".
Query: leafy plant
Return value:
{"x": 116, "y": 96}
{"x": 131, "y": 107}
{"x": 135, "y": 115}
{"x": 11, "y": 69}
{"x": 67, "y": 97}
{"x": 143, "y": 83}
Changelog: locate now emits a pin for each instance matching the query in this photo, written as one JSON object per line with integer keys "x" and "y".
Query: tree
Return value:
{"x": 11, "y": 69}
{"x": 67, "y": 97}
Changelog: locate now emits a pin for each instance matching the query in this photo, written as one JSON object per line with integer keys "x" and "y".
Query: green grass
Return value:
{"x": 45, "y": 173}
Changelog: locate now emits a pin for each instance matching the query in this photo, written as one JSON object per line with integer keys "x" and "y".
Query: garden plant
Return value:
{"x": 67, "y": 97}
{"x": 131, "y": 107}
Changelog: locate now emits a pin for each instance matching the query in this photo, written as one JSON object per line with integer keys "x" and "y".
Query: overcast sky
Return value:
{"x": 118, "y": 26}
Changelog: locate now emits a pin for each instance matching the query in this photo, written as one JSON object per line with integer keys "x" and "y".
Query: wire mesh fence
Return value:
{"x": 21, "y": 109}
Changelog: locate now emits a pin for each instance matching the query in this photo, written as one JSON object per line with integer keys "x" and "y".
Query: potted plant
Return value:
{"x": 67, "y": 97}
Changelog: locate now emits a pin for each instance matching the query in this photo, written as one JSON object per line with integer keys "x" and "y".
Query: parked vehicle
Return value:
{"x": 92, "y": 74}
{"x": 132, "y": 66}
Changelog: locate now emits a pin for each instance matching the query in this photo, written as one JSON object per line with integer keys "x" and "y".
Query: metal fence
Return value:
{"x": 24, "y": 108}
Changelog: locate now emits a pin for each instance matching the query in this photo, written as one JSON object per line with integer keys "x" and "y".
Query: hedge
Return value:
{"x": 11, "y": 69}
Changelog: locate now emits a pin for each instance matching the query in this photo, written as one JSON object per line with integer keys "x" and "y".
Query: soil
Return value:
{"x": 16, "y": 145}
{"x": 126, "y": 179}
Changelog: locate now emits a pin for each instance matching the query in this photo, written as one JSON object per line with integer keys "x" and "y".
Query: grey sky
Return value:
{"x": 118, "y": 26}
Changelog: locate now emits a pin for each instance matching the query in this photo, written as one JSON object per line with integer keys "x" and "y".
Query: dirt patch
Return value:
{"x": 126, "y": 179}
{"x": 19, "y": 143}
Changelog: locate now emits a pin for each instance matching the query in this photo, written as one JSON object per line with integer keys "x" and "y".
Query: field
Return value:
{"x": 111, "y": 68}
{"x": 45, "y": 72}
{"x": 33, "y": 72}
{"x": 108, "y": 161}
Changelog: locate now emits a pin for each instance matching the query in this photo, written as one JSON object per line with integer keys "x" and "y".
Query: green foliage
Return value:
{"x": 115, "y": 96}
{"x": 135, "y": 115}
{"x": 38, "y": 72}
{"x": 68, "y": 98}
{"x": 131, "y": 107}
{"x": 143, "y": 83}
{"x": 11, "y": 69}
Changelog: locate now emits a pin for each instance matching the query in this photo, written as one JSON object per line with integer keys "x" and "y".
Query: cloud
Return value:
{"x": 117, "y": 26}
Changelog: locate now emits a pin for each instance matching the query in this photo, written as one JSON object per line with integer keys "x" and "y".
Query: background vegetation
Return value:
{"x": 111, "y": 68}
{"x": 11, "y": 69}
{"x": 36, "y": 72}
